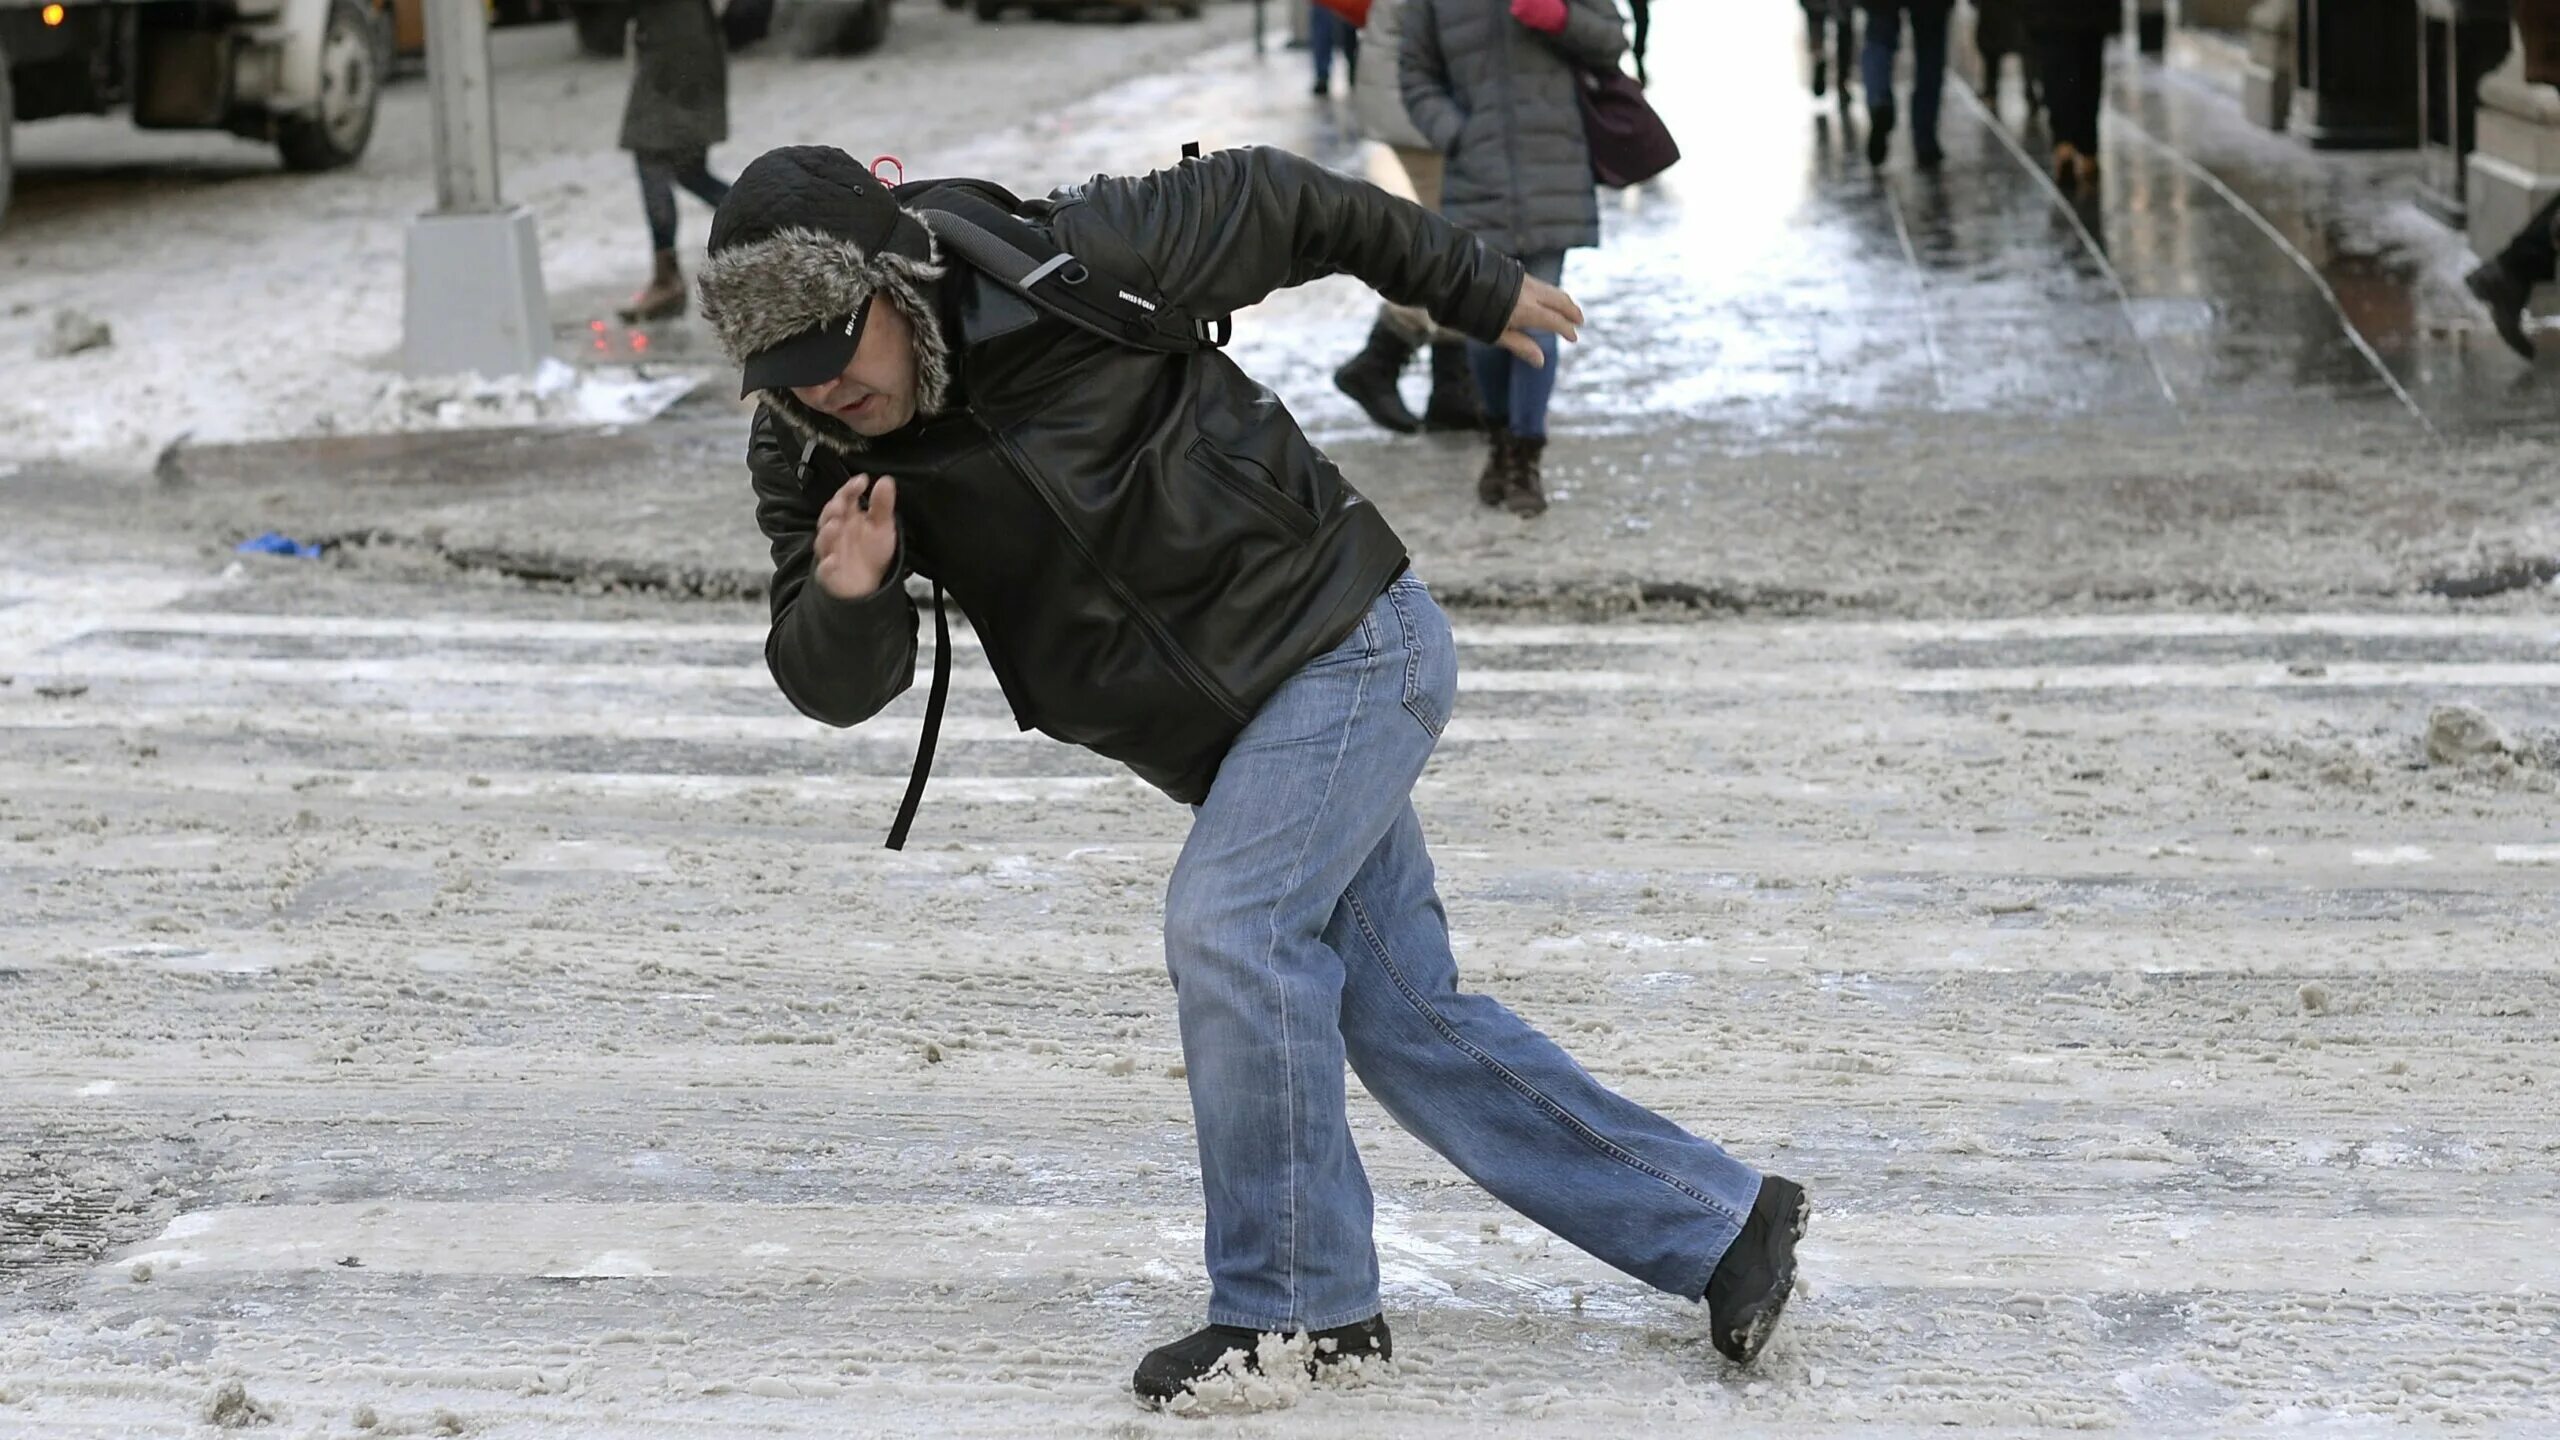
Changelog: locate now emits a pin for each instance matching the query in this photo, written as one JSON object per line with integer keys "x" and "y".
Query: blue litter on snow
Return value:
{"x": 272, "y": 543}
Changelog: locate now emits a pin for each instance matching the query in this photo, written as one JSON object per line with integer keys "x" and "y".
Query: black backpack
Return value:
{"x": 982, "y": 224}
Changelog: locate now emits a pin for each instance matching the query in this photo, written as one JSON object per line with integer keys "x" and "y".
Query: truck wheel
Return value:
{"x": 990, "y": 9}
{"x": 604, "y": 27}
{"x": 866, "y": 29}
{"x": 339, "y": 126}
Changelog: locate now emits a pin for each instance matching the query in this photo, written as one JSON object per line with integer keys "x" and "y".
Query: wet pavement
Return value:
{"x": 2241, "y": 372}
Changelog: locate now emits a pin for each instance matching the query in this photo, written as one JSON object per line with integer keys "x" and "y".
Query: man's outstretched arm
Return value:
{"x": 1221, "y": 232}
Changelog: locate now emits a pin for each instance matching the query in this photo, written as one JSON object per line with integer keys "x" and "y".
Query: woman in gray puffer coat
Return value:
{"x": 1495, "y": 85}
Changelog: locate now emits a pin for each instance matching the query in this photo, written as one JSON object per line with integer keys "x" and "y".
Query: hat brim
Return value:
{"x": 812, "y": 357}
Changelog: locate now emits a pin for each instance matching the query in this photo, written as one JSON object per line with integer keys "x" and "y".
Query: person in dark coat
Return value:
{"x": 1160, "y": 568}
{"x": 1820, "y": 18}
{"x": 678, "y": 110}
{"x": 1928, "y": 74}
{"x": 1499, "y": 91}
{"x": 2000, "y": 31}
{"x": 2070, "y": 38}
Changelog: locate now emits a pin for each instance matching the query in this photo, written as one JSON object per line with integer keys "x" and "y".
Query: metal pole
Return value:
{"x": 1258, "y": 27}
{"x": 466, "y": 110}
{"x": 474, "y": 299}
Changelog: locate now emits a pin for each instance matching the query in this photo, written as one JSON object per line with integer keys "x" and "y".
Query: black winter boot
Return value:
{"x": 1454, "y": 405}
{"x": 1527, "y": 497}
{"x": 1749, "y": 1290}
{"x": 2505, "y": 294}
{"x": 1502, "y": 458}
{"x": 1370, "y": 379}
{"x": 1880, "y": 120}
{"x": 1170, "y": 1371}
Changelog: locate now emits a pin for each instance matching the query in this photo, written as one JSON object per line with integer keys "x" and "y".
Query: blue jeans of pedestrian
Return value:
{"x": 1303, "y": 930}
{"x": 1515, "y": 393}
{"x": 1928, "y": 65}
{"x": 1326, "y": 33}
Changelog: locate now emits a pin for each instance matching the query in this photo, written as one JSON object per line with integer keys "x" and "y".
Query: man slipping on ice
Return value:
{"x": 1164, "y": 570}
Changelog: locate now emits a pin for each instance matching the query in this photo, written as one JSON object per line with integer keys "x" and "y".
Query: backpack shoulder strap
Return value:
{"x": 1024, "y": 259}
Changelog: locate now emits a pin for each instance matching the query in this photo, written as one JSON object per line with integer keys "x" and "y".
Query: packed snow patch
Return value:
{"x": 557, "y": 394}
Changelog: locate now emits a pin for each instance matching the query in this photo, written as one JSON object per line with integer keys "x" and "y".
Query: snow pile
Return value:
{"x": 230, "y": 1408}
{"x": 557, "y": 394}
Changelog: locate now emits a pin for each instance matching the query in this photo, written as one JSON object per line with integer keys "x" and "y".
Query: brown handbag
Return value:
{"x": 1629, "y": 143}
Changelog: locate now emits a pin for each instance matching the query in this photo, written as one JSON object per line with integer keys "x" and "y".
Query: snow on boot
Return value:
{"x": 1454, "y": 405}
{"x": 1749, "y": 1290}
{"x": 1527, "y": 497}
{"x": 662, "y": 296}
{"x": 1370, "y": 378}
{"x": 1501, "y": 455}
{"x": 1172, "y": 1371}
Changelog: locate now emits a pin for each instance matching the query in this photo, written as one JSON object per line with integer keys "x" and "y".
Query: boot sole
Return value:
{"x": 1753, "y": 1336}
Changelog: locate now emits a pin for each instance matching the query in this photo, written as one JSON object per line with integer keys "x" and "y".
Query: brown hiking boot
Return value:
{"x": 1527, "y": 497}
{"x": 1501, "y": 458}
{"x": 662, "y": 296}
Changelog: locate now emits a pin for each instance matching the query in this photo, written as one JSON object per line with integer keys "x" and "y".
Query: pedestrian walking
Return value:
{"x": 2070, "y": 39}
{"x": 1370, "y": 377}
{"x": 1499, "y": 92}
{"x": 2000, "y": 31}
{"x": 2505, "y": 282}
{"x": 1326, "y": 34}
{"x": 1162, "y": 569}
{"x": 678, "y": 110}
{"x": 1928, "y": 75}
{"x": 1830, "y": 27}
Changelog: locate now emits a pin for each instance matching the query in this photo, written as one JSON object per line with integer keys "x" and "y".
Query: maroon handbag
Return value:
{"x": 1629, "y": 143}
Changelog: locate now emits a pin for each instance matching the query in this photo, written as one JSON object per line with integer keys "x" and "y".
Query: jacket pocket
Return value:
{"x": 1254, "y": 487}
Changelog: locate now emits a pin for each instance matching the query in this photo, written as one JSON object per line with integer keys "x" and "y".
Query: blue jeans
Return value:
{"x": 1515, "y": 395}
{"x": 1327, "y": 32}
{"x": 1928, "y": 65}
{"x": 1302, "y": 930}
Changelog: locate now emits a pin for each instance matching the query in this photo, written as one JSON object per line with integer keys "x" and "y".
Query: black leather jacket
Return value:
{"x": 1146, "y": 544}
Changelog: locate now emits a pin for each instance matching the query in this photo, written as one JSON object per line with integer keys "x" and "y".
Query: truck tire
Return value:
{"x": 604, "y": 27}
{"x": 336, "y": 131}
{"x": 866, "y": 29}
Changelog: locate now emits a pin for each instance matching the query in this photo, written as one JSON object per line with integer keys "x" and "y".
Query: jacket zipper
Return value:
{"x": 1182, "y": 661}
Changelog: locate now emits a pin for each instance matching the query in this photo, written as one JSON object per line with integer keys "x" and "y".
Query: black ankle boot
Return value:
{"x": 1501, "y": 456}
{"x": 1454, "y": 405}
{"x": 1879, "y": 132}
{"x": 1527, "y": 497}
{"x": 1171, "y": 1371}
{"x": 2505, "y": 294}
{"x": 1370, "y": 379}
{"x": 1749, "y": 1290}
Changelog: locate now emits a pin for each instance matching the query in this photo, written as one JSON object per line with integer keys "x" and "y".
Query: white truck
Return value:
{"x": 305, "y": 75}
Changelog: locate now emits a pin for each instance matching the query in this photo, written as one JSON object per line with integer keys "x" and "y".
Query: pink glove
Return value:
{"x": 1541, "y": 15}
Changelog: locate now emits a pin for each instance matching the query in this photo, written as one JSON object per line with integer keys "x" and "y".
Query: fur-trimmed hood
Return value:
{"x": 772, "y": 274}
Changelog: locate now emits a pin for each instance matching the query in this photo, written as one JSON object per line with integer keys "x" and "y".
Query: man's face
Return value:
{"x": 876, "y": 393}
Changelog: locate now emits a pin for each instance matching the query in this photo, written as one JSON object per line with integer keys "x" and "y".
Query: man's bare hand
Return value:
{"x": 1542, "y": 308}
{"x": 858, "y": 538}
